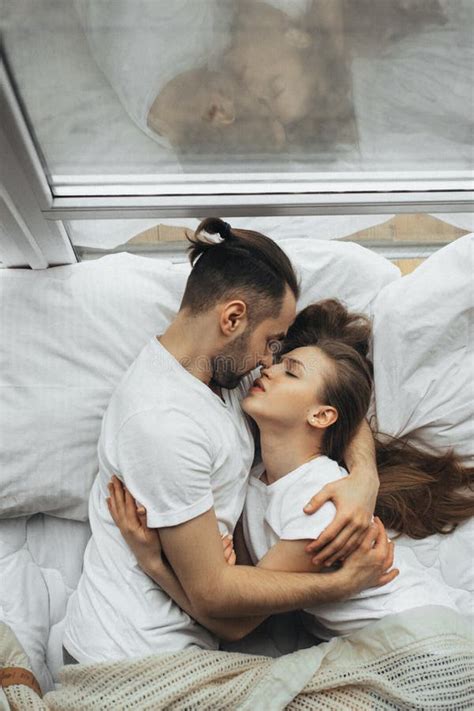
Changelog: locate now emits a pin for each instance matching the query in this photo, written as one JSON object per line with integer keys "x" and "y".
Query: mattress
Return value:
{"x": 40, "y": 564}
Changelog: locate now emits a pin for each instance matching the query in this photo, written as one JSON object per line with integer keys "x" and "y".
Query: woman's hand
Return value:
{"x": 144, "y": 542}
{"x": 229, "y": 553}
{"x": 354, "y": 497}
{"x": 369, "y": 565}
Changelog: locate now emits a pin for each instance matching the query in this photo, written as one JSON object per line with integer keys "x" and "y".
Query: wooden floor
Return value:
{"x": 400, "y": 230}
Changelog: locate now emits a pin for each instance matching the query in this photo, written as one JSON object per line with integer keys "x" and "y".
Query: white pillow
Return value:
{"x": 343, "y": 270}
{"x": 68, "y": 335}
{"x": 424, "y": 353}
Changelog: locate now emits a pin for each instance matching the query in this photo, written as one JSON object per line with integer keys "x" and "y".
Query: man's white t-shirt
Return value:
{"x": 274, "y": 512}
{"x": 181, "y": 450}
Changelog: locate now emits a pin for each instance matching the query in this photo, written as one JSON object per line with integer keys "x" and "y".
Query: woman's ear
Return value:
{"x": 322, "y": 417}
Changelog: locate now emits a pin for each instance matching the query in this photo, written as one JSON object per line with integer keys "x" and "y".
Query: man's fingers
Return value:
{"x": 331, "y": 551}
{"x": 382, "y": 543}
{"x": 349, "y": 548}
{"x": 390, "y": 556}
{"x": 370, "y": 538}
{"x": 328, "y": 535}
{"x": 355, "y": 542}
{"x": 382, "y": 537}
{"x": 388, "y": 577}
{"x": 318, "y": 500}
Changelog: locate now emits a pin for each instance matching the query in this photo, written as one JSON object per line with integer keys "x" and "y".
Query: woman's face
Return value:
{"x": 287, "y": 392}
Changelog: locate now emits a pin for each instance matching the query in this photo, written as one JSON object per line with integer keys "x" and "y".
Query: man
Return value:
{"x": 176, "y": 436}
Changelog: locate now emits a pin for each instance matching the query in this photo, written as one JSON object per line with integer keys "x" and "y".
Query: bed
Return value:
{"x": 70, "y": 333}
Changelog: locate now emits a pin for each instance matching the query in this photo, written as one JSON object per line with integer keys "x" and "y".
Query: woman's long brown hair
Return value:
{"x": 420, "y": 493}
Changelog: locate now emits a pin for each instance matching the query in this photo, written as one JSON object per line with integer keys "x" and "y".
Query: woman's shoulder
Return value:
{"x": 321, "y": 470}
{"x": 285, "y": 512}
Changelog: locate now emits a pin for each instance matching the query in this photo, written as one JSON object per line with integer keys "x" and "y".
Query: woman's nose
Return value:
{"x": 268, "y": 371}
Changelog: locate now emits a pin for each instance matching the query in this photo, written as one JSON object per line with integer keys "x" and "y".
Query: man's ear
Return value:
{"x": 233, "y": 317}
{"x": 322, "y": 417}
{"x": 220, "y": 110}
{"x": 299, "y": 39}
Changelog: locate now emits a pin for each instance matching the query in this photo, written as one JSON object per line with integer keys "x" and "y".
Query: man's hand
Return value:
{"x": 144, "y": 542}
{"x": 369, "y": 566}
{"x": 354, "y": 498}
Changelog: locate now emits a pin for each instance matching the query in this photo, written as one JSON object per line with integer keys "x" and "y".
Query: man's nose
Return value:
{"x": 266, "y": 361}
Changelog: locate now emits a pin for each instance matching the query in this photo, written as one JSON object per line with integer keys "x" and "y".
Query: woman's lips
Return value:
{"x": 257, "y": 387}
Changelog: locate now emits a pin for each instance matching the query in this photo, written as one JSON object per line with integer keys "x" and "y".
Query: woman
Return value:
{"x": 308, "y": 406}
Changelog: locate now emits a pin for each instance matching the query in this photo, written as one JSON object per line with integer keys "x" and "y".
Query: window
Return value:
{"x": 151, "y": 110}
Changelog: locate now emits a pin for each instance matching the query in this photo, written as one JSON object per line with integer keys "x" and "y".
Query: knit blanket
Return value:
{"x": 419, "y": 659}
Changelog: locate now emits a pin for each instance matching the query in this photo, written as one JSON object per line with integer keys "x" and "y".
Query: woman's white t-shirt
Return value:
{"x": 274, "y": 512}
{"x": 181, "y": 450}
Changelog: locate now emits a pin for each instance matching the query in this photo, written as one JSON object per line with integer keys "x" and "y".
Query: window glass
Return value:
{"x": 146, "y": 92}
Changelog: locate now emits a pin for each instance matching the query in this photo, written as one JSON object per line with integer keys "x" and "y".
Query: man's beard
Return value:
{"x": 230, "y": 366}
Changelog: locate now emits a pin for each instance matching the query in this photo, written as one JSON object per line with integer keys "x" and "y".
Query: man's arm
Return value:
{"x": 194, "y": 551}
{"x": 354, "y": 497}
{"x": 365, "y": 568}
{"x": 284, "y": 556}
{"x": 229, "y": 629}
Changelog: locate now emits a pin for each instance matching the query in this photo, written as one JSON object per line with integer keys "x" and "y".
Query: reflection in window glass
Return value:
{"x": 153, "y": 87}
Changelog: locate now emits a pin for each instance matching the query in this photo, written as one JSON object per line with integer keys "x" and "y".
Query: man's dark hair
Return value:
{"x": 244, "y": 264}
